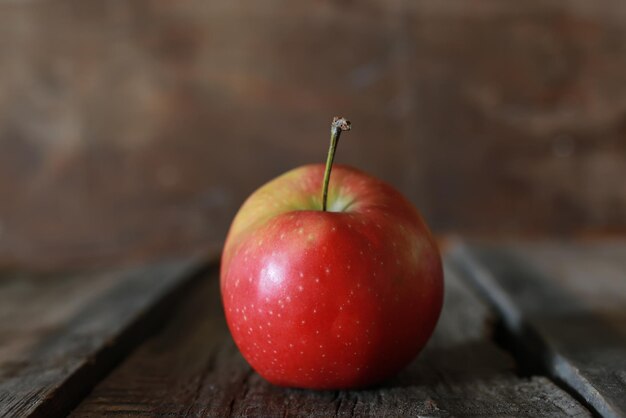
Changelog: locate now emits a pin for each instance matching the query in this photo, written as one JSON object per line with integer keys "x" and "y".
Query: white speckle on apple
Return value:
{"x": 317, "y": 331}
{"x": 303, "y": 322}
{"x": 349, "y": 266}
{"x": 301, "y": 274}
{"x": 245, "y": 318}
{"x": 301, "y": 288}
{"x": 301, "y": 353}
{"x": 317, "y": 280}
{"x": 314, "y": 310}
{"x": 327, "y": 270}
{"x": 333, "y": 229}
{"x": 300, "y": 231}
{"x": 288, "y": 298}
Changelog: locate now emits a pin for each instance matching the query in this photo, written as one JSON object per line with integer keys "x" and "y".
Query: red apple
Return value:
{"x": 341, "y": 298}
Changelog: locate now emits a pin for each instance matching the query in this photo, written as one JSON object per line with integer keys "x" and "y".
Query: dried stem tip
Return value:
{"x": 341, "y": 124}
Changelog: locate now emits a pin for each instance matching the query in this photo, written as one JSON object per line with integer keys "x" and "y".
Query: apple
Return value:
{"x": 330, "y": 283}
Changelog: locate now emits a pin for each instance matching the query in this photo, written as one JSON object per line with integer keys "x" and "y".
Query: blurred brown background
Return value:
{"x": 136, "y": 129}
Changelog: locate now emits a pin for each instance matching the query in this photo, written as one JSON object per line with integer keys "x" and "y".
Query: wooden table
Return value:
{"x": 528, "y": 329}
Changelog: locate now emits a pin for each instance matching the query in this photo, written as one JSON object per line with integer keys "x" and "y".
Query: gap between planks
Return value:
{"x": 58, "y": 364}
{"x": 562, "y": 310}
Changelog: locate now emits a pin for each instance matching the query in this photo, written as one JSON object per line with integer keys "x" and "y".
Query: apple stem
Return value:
{"x": 339, "y": 125}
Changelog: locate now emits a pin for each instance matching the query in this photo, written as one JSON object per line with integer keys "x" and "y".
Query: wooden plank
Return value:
{"x": 192, "y": 368}
{"x": 176, "y": 119}
{"x": 61, "y": 333}
{"x": 565, "y": 305}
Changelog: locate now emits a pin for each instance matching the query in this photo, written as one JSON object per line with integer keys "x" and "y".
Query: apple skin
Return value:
{"x": 330, "y": 300}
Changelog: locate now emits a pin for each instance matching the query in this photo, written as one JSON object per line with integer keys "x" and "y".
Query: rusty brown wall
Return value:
{"x": 136, "y": 128}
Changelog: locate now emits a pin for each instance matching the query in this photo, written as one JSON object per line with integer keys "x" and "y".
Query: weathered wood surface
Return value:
{"x": 491, "y": 116}
{"x": 565, "y": 306}
{"x": 60, "y": 334}
{"x": 192, "y": 368}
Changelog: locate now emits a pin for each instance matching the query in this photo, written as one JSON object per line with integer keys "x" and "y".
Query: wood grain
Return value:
{"x": 136, "y": 129}
{"x": 61, "y": 333}
{"x": 565, "y": 305}
{"x": 192, "y": 368}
